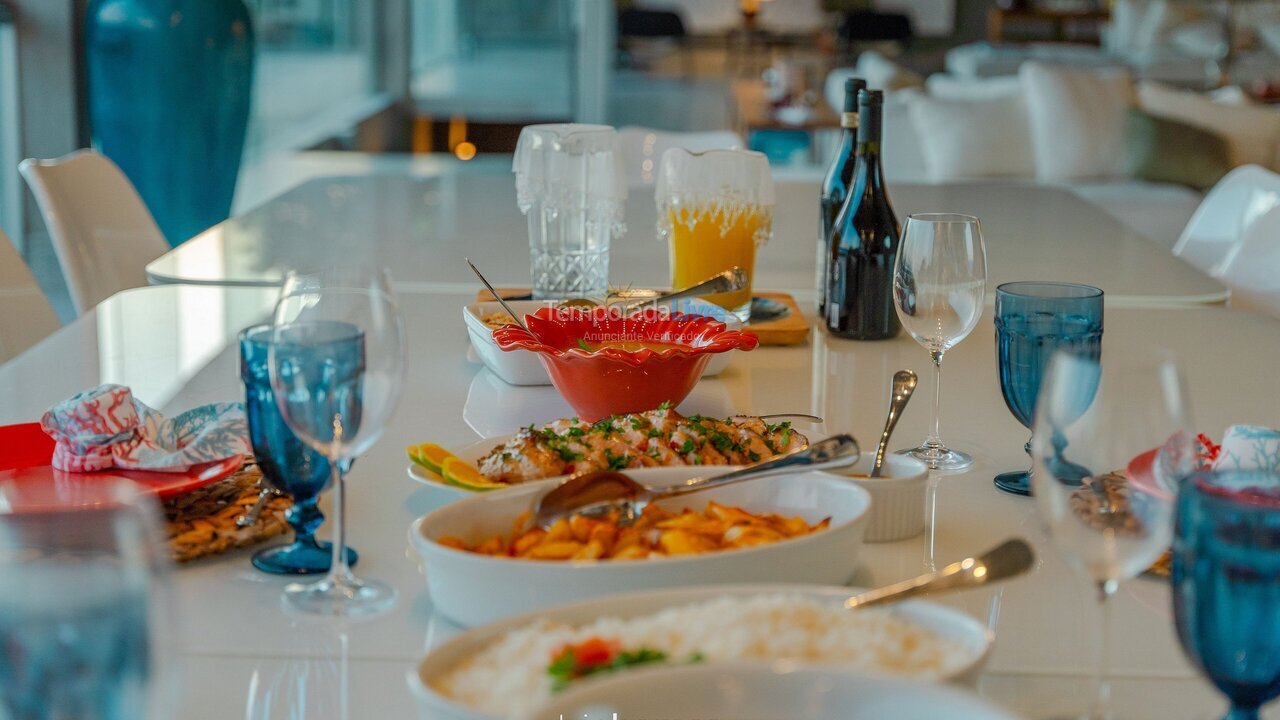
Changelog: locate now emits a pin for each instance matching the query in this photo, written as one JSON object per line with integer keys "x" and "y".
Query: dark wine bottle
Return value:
{"x": 864, "y": 243}
{"x": 835, "y": 188}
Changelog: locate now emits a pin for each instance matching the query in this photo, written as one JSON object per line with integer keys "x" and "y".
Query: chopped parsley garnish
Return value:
{"x": 723, "y": 442}
{"x": 753, "y": 456}
{"x": 616, "y": 462}
{"x": 598, "y": 656}
{"x": 655, "y": 432}
{"x": 637, "y": 423}
{"x": 687, "y": 447}
{"x": 566, "y": 453}
{"x": 605, "y": 426}
{"x": 664, "y": 405}
{"x": 575, "y": 432}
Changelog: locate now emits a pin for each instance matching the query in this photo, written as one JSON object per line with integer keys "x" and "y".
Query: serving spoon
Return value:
{"x": 1010, "y": 558}
{"x": 496, "y": 296}
{"x": 731, "y": 280}
{"x": 599, "y": 491}
{"x": 904, "y": 384}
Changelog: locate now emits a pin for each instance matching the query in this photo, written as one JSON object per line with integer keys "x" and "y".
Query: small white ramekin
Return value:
{"x": 898, "y": 496}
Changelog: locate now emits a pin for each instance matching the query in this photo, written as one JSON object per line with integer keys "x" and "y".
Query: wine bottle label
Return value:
{"x": 849, "y": 120}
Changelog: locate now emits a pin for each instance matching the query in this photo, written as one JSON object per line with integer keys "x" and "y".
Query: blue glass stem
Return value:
{"x": 1238, "y": 712}
{"x": 305, "y": 518}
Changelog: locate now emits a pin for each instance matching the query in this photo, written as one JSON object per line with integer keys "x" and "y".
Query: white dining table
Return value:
{"x": 240, "y": 654}
{"x": 423, "y": 224}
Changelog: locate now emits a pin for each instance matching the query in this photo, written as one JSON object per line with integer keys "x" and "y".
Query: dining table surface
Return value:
{"x": 423, "y": 225}
{"x": 237, "y": 652}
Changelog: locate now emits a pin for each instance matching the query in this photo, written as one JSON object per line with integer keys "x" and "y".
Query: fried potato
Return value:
{"x": 658, "y": 532}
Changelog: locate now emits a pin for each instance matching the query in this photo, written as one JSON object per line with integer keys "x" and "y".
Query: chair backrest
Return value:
{"x": 102, "y": 232}
{"x": 1212, "y": 237}
{"x": 642, "y": 149}
{"x": 1253, "y": 271}
{"x": 25, "y": 314}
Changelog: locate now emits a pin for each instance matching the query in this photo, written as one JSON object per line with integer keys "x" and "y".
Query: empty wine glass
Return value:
{"x": 939, "y": 289}
{"x": 1033, "y": 321}
{"x": 337, "y": 366}
{"x": 83, "y": 602}
{"x": 1106, "y": 524}
{"x": 1226, "y": 583}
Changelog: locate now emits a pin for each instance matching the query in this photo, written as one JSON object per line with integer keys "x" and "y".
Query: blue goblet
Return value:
{"x": 288, "y": 465}
{"x": 1226, "y": 583}
{"x": 1034, "y": 320}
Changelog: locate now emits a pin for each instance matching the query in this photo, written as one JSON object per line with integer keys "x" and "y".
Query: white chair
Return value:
{"x": 102, "y": 232}
{"x": 1217, "y": 228}
{"x": 1253, "y": 271}
{"x": 26, "y": 317}
{"x": 642, "y": 149}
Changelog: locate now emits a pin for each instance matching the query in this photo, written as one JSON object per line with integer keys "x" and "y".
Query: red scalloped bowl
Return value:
{"x": 613, "y": 380}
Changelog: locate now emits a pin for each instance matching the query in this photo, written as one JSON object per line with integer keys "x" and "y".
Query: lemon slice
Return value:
{"x": 463, "y": 474}
{"x": 430, "y": 456}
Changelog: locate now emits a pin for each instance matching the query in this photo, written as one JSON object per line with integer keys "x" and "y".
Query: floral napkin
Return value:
{"x": 1249, "y": 447}
{"x": 107, "y": 427}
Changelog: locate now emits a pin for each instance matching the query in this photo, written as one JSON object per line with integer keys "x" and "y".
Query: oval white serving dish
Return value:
{"x": 473, "y": 589}
{"x": 521, "y": 367}
{"x": 442, "y": 492}
{"x": 759, "y": 692}
{"x": 944, "y": 621}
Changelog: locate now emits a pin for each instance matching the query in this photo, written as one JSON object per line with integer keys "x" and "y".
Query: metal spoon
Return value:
{"x": 731, "y": 280}
{"x": 599, "y": 491}
{"x": 1009, "y": 559}
{"x": 904, "y": 384}
{"x": 251, "y": 517}
{"x": 496, "y": 296}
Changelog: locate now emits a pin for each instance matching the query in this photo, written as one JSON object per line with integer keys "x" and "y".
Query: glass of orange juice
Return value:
{"x": 714, "y": 209}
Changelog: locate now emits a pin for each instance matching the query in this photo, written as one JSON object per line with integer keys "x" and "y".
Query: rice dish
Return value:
{"x": 511, "y": 675}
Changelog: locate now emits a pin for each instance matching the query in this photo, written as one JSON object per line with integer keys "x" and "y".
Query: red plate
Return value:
{"x": 26, "y": 451}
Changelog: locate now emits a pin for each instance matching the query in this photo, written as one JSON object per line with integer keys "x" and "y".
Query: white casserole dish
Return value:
{"x": 473, "y": 589}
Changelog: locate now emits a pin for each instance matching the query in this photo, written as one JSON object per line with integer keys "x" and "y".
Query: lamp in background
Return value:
{"x": 169, "y": 84}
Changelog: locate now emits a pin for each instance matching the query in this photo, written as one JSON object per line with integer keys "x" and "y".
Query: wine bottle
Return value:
{"x": 835, "y": 188}
{"x": 864, "y": 243}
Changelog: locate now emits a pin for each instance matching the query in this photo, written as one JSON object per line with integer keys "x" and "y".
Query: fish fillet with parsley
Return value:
{"x": 658, "y": 438}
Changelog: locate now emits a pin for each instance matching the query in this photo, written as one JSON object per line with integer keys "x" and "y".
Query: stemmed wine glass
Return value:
{"x": 287, "y": 464}
{"x": 939, "y": 289}
{"x": 1107, "y": 522}
{"x": 1034, "y": 320}
{"x": 337, "y": 366}
{"x": 1226, "y": 583}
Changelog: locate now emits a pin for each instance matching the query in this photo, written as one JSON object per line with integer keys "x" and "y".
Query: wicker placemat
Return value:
{"x": 1111, "y": 492}
{"x": 202, "y": 523}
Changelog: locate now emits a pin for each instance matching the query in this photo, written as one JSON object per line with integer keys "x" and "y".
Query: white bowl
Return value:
{"x": 472, "y": 589}
{"x": 945, "y": 622}
{"x": 757, "y": 692}
{"x": 898, "y": 496}
{"x": 522, "y": 367}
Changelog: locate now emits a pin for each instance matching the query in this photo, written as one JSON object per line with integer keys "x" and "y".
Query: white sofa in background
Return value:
{"x": 957, "y": 129}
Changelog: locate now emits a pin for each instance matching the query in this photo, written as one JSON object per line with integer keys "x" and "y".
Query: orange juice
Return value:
{"x": 711, "y": 239}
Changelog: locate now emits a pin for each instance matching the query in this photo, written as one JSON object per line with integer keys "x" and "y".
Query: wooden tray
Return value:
{"x": 790, "y": 330}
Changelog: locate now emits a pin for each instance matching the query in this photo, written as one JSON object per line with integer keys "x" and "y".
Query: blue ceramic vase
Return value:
{"x": 169, "y": 85}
